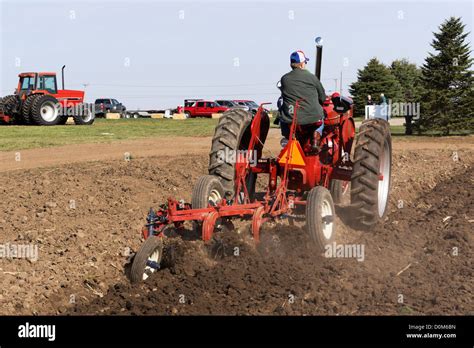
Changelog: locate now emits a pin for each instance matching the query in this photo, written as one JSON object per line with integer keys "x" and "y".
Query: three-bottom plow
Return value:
{"x": 302, "y": 184}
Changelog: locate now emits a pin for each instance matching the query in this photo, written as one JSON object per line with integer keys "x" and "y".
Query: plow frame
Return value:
{"x": 278, "y": 200}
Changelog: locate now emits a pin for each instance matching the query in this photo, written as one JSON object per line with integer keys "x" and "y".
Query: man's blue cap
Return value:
{"x": 298, "y": 57}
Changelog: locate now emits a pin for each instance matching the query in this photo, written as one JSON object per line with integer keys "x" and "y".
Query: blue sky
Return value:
{"x": 153, "y": 54}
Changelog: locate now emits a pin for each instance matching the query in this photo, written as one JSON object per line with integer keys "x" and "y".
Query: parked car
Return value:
{"x": 106, "y": 105}
{"x": 203, "y": 108}
{"x": 249, "y": 104}
{"x": 190, "y": 102}
{"x": 227, "y": 103}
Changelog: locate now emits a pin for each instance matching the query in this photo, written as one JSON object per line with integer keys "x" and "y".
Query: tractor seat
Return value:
{"x": 341, "y": 104}
{"x": 307, "y": 129}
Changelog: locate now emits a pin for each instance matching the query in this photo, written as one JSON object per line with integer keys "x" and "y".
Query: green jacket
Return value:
{"x": 302, "y": 84}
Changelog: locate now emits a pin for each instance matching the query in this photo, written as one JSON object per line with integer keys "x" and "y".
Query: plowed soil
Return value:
{"x": 85, "y": 217}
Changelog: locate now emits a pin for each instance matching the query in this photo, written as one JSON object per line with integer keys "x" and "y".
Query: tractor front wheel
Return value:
{"x": 147, "y": 260}
{"x": 370, "y": 181}
{"x": 45, "y": 111}
{"x": 320, "y": 215}
{"x": 208, "y": 190}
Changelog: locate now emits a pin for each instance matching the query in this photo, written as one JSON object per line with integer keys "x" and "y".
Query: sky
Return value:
{"x": 152, "y": 54}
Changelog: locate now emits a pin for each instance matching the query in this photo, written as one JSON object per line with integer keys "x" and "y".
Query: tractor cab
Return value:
{"x": 32, "y": 83}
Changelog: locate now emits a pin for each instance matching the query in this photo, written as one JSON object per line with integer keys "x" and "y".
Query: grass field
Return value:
{"x": 102, "y": 131}
{"x": 105, "y": 131}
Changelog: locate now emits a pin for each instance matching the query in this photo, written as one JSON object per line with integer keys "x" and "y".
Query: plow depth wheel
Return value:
{"x": 320, "y": 214}
{"x": 147, "y": 260}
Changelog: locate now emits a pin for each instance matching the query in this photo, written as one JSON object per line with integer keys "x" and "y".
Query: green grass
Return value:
{"x": 397, "y": 130}
{"x": 102, "y": 131}
{"x": 400, "y": 131}
{"x": 14, "y": 138}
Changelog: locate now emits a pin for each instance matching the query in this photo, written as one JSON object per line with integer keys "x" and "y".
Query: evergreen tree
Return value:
{"x": 375, "y": 78}
{"x": 448, "y": 101}
{"x": 409, "y": 77}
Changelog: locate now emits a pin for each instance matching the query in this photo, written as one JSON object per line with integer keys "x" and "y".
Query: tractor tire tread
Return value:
{"x": 365, "y": 175}
{"x": 35, "y": 115}
{"x": 26, "y": 108}
{"x": 313, "y": 216}
{"x": 204, "y": 185}
{"x": 228, "y": 133}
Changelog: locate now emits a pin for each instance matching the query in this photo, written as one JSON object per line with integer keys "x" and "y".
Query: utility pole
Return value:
{"x": 340, "y": 90}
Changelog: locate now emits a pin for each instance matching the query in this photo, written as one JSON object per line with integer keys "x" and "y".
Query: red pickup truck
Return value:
{"x": 203, "y": 108}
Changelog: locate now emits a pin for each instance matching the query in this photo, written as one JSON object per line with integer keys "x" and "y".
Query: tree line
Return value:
{"x": 442, "y": 87}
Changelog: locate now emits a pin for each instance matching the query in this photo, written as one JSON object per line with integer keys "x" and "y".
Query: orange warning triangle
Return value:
{"x": 295, "y": 154}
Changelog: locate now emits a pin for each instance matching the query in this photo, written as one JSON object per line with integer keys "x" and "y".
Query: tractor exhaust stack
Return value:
{"x": 62, "y": 74}
{"x": 319, "y": 56}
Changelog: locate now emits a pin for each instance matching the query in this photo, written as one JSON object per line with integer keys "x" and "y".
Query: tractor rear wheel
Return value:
{"x": 207, "y": 190}
{"x": 338, "y": 189}
{"x": 62, "y": 120}
{"x": 87, "y": 118}
{"x": 370, "y": 181}
{"x": 320, "y": 214}
{"x": 232, "y": 134}
{"x": 45, "y": 111}
{"x": 147, "y": 260}
{"x": 26, "y": 108}
{"x": 11, "y": 105}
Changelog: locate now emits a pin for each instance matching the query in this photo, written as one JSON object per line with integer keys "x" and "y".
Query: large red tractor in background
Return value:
{"x": 302, "y": 183}
{"x": 37, "y": 101}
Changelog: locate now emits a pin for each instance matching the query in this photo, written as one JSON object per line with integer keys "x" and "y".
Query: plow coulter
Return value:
{"x": 302, "y": 183}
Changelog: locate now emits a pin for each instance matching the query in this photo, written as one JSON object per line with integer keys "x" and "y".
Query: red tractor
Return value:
{"x": 37, "y": 101}
{"x": 302, "y": 183}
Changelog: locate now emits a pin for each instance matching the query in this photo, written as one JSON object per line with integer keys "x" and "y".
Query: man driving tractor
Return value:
{"x": 301, "y": 84}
